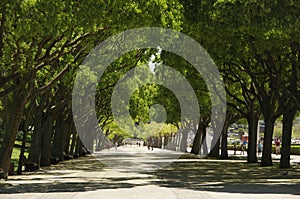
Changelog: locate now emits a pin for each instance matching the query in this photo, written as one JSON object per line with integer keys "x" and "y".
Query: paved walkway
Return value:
{"x": 135, "y": 172}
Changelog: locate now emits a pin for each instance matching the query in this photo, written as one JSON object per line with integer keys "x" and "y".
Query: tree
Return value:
{"x": 41, "y": 41}
{"x": 33, "y": 48}
{"x": 265, "y": 38}
{"x": 252, "y": 40}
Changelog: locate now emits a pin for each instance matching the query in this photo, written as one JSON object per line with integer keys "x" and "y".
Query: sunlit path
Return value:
{"x": 135, "y": 174}
{"x": 135, "y": 158}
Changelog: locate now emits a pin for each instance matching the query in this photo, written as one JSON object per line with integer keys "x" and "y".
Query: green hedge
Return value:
{"x": 295, "y": 149}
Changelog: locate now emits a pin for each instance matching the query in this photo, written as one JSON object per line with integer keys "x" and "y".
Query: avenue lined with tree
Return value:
{"x": 255, "y": 45}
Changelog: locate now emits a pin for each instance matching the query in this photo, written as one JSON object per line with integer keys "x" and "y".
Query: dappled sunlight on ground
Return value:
{"x": 187, "y": 175}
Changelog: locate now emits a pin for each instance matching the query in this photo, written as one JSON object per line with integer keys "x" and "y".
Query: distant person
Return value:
{"x": 242, "y": 149}
{"x": 277, "y": 146}
{"x": 245, "y": 143}
{"x": 116, "y": 145}
{"x": 149, "y": 143}
{"x": 259, "y": 148}
{"x": 234, "y": 148}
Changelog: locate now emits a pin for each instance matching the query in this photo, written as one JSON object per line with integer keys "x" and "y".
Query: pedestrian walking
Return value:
{"x": 259, "y": 148}
{"x": 242, "y": 149}
{"x": 116, "y": 145}
{"x": 234, "y": 148}
{"x": 277, "y": 146}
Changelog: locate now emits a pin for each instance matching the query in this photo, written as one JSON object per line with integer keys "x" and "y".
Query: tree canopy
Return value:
{"x": 255, "y": 45}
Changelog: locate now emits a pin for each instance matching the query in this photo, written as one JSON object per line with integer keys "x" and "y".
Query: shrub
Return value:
{"x": 295, "y": 149}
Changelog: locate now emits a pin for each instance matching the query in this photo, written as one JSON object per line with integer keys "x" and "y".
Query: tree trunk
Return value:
{"x": 173, "y": 142}
{"x": 215, "y": 152}
{"x": 169, "y": 142}
{"x": 88, "y": 138}
{"x": 79, "y": 145}
{"x": 287, "y": 124}
{"x": 224, "y": 133}
{"x": 67, "y": 138}
{"x": 12, "y": 126}
{"x": 177, "y": 141}
{"x": 252, "y": 139}
{"x": 199, "y": 143}
{"x": 197, "y": 140}
{"x": 73, "y": 143}
{"x": 37, "y": 138}
{"x": 203, "y": 145}
{"x": 267, "y": 145}
{"x": 160, "y": 142}
{"x": 230, "y": 118}
{"x": 20, "y": 164}
{"x": 57, "y": 145}
{"x": 46, "y": 143}
{"x": 224, "y": 144}
{"x": 183, "y": 140}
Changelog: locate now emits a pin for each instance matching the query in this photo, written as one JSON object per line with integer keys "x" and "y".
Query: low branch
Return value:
{"x": 53, "y": 81}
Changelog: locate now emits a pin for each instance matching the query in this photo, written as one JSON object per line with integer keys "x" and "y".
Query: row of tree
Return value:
{"x": 255, "y": 45}
{"x": 42, "y": 44}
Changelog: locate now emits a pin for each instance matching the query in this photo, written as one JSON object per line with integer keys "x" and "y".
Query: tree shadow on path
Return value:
{"x": 228, "y": 176}
{"x": 233, "y": 176}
